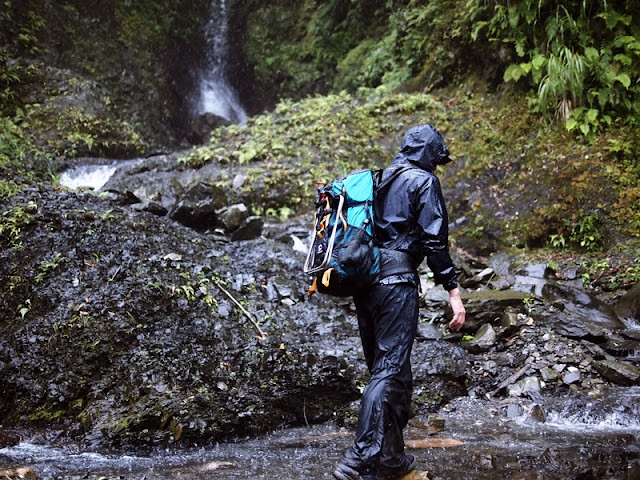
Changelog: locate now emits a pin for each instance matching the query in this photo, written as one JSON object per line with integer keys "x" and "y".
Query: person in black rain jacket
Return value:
{"x": 410, "y": 224}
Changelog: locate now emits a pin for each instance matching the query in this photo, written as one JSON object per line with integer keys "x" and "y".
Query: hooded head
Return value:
{"x": 424, "y": 147}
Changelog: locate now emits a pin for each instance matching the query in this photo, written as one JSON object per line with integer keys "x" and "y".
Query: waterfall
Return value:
{"x": 216, "y": 94}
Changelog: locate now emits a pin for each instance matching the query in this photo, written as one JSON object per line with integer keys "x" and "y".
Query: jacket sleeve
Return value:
{"x": 434, "y": 232}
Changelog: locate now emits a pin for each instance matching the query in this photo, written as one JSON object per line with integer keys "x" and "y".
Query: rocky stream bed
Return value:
{"x": 171, "y": 336}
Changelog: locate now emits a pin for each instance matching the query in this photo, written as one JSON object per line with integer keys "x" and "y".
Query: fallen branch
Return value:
{"x": 512, "y": 379}
{"x": 244, "y": 310}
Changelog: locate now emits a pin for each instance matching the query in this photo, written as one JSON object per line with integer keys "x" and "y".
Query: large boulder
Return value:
{"x": 629, "y": 305}
{"x": 198, "y": 207}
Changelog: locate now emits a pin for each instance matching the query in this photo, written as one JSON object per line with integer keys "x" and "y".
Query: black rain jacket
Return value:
{"x": 410, "y": 214}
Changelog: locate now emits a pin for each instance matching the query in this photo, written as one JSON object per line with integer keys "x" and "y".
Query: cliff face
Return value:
{"x": 101, "y": 78}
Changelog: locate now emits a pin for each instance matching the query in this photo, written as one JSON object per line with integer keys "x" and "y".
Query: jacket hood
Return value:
{"x": 424, "y": 147}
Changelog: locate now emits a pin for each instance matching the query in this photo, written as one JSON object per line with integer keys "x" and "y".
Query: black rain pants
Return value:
{"x": 388, "y": 320}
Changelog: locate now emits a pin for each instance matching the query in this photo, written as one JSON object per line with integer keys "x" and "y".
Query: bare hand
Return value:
{"x": 459, "y": 313}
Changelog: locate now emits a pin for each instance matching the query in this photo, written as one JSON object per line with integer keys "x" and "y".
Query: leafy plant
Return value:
{"x": 24, "y": 308}
{"x": 557, "y": 241}
{"x": 582, "y": 57}
{"x": 586, "y": 232}
{"x": 50, "y": 265}
{"x": 13, "y": 222}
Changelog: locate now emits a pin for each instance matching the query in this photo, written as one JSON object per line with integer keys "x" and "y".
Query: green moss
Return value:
{"x": 50, "y": 413}
{"x": 315, "y": 139}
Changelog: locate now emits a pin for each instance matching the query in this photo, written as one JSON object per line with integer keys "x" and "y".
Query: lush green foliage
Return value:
{"x": 582, "y": 57}
{"x": 316, "y": 139}
{"x": 334, "y": 45}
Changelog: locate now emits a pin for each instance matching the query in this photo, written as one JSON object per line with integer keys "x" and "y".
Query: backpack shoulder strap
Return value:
{"x": 381, "y": 185}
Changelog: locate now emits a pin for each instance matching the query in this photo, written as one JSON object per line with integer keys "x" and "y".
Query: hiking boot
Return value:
{"x": 408, "y": 466}
{"x": 345, "y": 472}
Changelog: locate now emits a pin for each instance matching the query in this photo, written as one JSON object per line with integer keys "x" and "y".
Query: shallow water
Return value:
{"x": 92, "y": 176}
{"x": 599, "y": 436}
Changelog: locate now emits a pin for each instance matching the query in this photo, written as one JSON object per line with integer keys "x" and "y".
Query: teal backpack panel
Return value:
{"x": 343, "y": 237}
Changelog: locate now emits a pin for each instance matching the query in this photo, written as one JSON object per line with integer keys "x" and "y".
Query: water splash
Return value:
{"x": 87, "y": 176}
{"x": 93, "y": 176}
{"x": 216, "y": 94}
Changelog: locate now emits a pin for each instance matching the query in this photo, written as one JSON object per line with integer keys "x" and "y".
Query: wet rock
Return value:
{"x": 250, "y": 229}
{"x": 619, "y": 346}
{"x": 233, "y": 216}
{"x": 481, "y": 277}
{"x": 549, "y": 374}
{"x": 594, "y": 314}
{"x": 435, "y": 424}
{"x": 501, "y": 263}
{"x": 503, "y": 283}
{"x": 124, "y": 198}
{"x": 155, "y": 208}
{"x": 485, "y": 461}
{"x": 238, "y": 181}
{"x": 9, "y": 438}
{"x": 202, "y": 126}
{"x": 629, "y": 305}
{"x": 572, "y": 375}
{"x": 434, "y": 295}
{"x": 428, "y": 331}
{"x": 565, "y": 324}
{"x": 13, "y": 473}
{"x": 198, "y": 206}
{"x": 538, "y": 414}
{"x": 621, "y": 373}
{"x": 523, "y": 387}
{"x": 483, "y": 340}
{"x": 510, "y": 321}
{"x": 539, "y": 270}
{"x": 531, "y": 285}
{"x": 487, "y": 306}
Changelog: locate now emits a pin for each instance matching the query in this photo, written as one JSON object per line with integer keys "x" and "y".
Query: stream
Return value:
{"x": 581, "y": 438}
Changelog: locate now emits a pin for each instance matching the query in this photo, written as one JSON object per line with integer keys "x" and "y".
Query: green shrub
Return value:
{"x": 581, "y": 56}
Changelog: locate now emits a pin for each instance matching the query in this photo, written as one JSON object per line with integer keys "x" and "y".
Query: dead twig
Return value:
{"x": 243, "y": 310}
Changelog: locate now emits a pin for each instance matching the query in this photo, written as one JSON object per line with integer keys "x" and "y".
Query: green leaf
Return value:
{"x": 624, "y": 59}
{"x": 571, "y": 124}
{"x": 513, "y": 72}
{"x": 591, "y": 54}
{"x": 592, "y": 115}
{"x": 584, "y": 128}
{"x": 624, "y": 79}
{"x": 538, "y": 61}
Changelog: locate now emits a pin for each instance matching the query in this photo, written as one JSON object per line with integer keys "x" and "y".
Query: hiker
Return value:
{"x": 410, "y": 224}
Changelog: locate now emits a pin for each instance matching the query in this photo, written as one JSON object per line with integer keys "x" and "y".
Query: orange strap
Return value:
{"x": 326, "y": 277}
{"x": 341, "y": 215}
{"x": 313, "y": 288}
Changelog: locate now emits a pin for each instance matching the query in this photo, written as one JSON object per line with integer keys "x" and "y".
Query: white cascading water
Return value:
{"x": 87, "y": 176}
{"x": 216, "y": 94}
